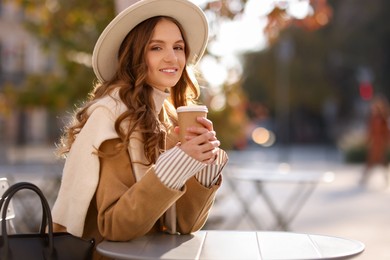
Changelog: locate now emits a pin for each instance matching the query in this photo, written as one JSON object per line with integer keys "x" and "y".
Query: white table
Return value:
{"x": 304, "y": 184}
{"x": 237, "y": 245}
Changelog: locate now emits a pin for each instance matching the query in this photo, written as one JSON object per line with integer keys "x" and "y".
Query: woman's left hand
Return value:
{"x": 201, "y": 142}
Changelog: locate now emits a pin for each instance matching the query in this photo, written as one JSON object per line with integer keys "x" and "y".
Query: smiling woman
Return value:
{"x": 126, "y": 172}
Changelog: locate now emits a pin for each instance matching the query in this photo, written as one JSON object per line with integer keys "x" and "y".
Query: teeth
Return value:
{"x": 169, "y": 70}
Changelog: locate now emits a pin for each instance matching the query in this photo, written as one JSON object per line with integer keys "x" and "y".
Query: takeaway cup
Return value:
{"x": 187, "y": 117}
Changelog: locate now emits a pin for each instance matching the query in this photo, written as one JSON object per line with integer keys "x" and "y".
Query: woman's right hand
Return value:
{"x": 201, "y": 142}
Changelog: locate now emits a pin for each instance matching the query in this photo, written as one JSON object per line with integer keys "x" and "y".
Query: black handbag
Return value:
{"x": 42, "y": 245}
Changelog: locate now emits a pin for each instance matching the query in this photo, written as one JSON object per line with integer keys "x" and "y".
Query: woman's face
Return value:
{"x": 165, "y": 56}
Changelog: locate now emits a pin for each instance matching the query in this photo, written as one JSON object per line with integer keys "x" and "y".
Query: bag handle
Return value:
{"x": 46, "y": 215}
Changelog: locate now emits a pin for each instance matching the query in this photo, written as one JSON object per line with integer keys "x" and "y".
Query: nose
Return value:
{"x": 170, "y": 55}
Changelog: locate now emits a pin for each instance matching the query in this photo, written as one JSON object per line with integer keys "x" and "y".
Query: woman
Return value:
{"x": 378, "y": 137}
{"x": 126, "y": 174}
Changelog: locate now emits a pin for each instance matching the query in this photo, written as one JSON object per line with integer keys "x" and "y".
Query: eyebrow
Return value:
{"x": 161, "y": 41}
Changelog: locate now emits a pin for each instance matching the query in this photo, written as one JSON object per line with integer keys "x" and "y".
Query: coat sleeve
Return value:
{"x": 126, "y": 209}
{"x": 192, "y": 209}
{"x": 129, "y": 209}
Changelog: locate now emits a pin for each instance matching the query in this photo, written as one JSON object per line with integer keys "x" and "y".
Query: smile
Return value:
{"x": 169, "y": 70}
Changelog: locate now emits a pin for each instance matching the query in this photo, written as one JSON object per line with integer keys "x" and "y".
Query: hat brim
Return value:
{"x": 189, "y": 15}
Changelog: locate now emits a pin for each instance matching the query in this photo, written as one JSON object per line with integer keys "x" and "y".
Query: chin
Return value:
{"x": 171, "y": 84}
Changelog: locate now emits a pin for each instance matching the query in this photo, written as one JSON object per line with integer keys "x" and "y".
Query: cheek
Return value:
{"x": 149, "y": 61}
{"x": 182, "y": 61}
{"x": 151, "y": 68}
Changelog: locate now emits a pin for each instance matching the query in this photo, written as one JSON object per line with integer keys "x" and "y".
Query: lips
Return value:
{"x": 169, "y": 70}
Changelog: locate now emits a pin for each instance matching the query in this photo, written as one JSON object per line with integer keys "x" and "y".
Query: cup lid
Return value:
{"x": 192, "y": 108}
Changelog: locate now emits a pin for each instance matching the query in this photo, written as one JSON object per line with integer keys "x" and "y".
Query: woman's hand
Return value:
{"x": 201, "y": 142}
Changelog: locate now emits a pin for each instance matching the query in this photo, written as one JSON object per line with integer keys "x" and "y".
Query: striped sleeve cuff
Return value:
{"x": 175, "y": 167}
{"x": 209, "y": 175}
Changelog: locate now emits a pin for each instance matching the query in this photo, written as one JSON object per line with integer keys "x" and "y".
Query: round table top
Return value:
{"x": 265, "y": 245}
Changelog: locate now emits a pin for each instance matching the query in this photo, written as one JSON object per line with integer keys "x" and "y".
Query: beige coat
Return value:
{"x": 125, "y": 206}
{"x": 123, "y": 209}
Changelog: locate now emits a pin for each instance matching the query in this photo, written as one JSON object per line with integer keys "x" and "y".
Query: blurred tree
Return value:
{"x": 288, "y": 75}
{"x": 327, "y": 64}
{"x": 307, "y": 71}
{"x": 278, "y": 16}
{"x": 67, "y": 31}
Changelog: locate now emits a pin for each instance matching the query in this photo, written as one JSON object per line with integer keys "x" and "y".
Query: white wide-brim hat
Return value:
{"x": 189, "y": 15}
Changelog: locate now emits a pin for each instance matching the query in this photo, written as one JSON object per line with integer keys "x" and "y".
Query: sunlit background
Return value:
{"x": 275, "y": 72}
{"x": 283, "y": 79}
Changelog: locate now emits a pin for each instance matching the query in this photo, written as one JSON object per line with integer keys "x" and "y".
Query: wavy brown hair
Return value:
{"x": 136, "y": 94}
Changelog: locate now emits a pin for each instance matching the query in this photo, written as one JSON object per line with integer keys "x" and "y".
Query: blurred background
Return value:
{"x": 286, "y": 81}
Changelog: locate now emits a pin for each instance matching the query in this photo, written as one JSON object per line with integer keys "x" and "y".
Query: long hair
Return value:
{"x": 135, "y": 93}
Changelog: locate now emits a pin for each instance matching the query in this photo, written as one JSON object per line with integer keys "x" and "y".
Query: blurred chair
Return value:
{"x": 4, "y": 185}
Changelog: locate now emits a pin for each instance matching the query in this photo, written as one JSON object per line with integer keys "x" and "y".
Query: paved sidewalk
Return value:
{"x": 344, "y": 209}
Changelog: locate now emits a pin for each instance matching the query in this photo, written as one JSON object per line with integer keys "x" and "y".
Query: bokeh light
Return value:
{"x": 263, "y": 137}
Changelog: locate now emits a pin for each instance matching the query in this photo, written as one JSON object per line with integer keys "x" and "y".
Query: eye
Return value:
{"x": 179, "y": 48}
{"x": 156, "y": 48}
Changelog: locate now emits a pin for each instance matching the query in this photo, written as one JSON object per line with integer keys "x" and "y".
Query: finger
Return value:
{"x": 205, "y": 156}
{"x": 202, "y": 138}
{"x": 208, "y": 151}
{"x": 208, "y": 124}
{"x": 211, "y": 147}
{"x": 211, "y": 156}
{"x": 194, "y": 130}
{"x": 201, "y": 152}
{"x": 197, "y": 130}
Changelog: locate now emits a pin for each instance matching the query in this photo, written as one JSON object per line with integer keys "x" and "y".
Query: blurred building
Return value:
{"x": 20, "y": 55}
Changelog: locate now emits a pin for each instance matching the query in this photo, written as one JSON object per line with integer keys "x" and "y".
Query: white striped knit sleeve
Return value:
{"x": 174, "y": 167}
{"x": 209, "y": 175}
